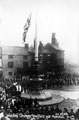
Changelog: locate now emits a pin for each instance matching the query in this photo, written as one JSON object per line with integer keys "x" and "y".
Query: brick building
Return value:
{"x": 16, "y": 60}
{"x": 50, "y": 56}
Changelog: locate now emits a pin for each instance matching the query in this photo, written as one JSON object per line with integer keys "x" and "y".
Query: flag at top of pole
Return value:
{"x": 26, "y": 27}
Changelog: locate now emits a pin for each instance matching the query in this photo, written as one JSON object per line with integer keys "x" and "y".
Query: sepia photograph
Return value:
{"x": 39, "y": 53}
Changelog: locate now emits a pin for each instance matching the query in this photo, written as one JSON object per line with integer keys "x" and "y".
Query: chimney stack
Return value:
{"x": 26, "y": 46}
{"x": 53, "y": 35}
{"x": 54, "y": 40}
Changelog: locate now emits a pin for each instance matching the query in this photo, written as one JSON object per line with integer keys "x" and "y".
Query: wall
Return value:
{"x": 18, "y": 53}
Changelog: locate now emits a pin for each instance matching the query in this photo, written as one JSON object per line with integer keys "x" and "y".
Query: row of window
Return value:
{"x": 11, "y": 64}
{"x": 47, "y": 55}
{"x": 9, "y": 73}
{"x": 25, "y": 56}
{"x": 44, "y": 62}
{"x": 12, "y": 56}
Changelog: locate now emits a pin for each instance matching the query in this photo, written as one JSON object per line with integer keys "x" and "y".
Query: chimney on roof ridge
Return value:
{"x": 53, "y": 35}
{"x": 41, "y": 46}
{"x": 26, "y": 45}
{"x": 54, "y": 40}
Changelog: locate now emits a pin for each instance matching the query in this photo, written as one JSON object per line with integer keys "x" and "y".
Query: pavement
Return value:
{"x": 70, "y": 94}
{"x": 71, "y": 91}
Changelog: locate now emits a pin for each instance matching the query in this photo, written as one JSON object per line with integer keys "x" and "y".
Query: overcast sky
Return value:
{"x": 59, "y": 16}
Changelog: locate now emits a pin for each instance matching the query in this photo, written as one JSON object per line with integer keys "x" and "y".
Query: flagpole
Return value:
{"x": 36, "y": 42}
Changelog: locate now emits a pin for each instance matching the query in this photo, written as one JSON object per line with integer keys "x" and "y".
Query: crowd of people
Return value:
{"x": 61, "y": 79}
{"x": 50, "y": 80}
{"x": 27, "y": 109}
{"x": 16, "y": 107}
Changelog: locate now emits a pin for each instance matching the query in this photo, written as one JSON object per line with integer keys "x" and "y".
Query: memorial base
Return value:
{"x": 44, "y": 98}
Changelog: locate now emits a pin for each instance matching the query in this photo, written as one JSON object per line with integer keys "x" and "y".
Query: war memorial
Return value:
{"x": 35, "y": 89}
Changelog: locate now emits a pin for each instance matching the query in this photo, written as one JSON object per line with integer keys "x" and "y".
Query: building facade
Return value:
{"x": 15, "y": 61}
{"x": 14, "y": 58}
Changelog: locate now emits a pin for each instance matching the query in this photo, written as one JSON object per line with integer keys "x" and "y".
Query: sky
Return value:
{"x": 52, "y": 16}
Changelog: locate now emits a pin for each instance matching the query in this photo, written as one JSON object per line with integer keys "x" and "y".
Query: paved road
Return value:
{"x": 71, "y": 92}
